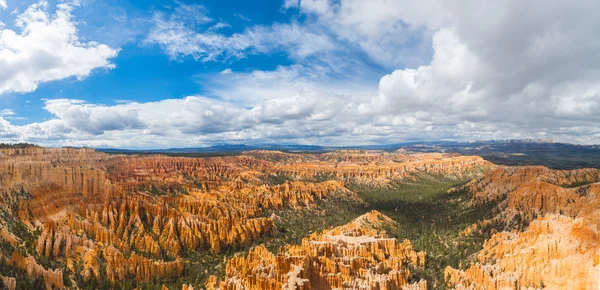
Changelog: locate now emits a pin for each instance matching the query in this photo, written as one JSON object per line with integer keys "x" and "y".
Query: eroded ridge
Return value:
{"x": 380, "y": 168}
{"x": 358, "y": 255}
{"x": 118, "y": 217}
{"x": 551, "y": 242}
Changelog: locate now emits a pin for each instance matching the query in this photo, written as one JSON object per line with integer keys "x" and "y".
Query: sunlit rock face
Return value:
{"x": 52, "y": 278}
{"x": 137, "y": 215}
{"x": 531, "y": 191}
{"x": 40, "y": 184}
{"x": 555, "y": 252}
{"x": 559, "y": 249}
{"x": 9, "y": 283}
{"x": 377, "y": 168}
{"x": 358, "y": 255}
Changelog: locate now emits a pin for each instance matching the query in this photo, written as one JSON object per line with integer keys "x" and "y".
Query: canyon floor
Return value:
{"x": 350, "y": 219}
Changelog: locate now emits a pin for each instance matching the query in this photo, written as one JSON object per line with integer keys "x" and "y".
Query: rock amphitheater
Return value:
{"x": 118, "y": 217}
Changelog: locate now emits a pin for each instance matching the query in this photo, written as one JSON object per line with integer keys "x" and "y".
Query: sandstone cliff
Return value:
{"x": 382, "y": 170}
{"x": 355, "y": 256}
{"x": 9, "y": 283}
{"x": 557, "y": 250}
{"x": 40, "y": 184}
{"x": 138, "y": 215}
{"x": 52, "y": 278}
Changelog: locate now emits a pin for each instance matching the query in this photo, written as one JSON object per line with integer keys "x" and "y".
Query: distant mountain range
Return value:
{"x": 280, "y": 147}
{"x": 522, "y": 152}
{"x": 505, "y": 152}
{"x": 423, "y": 146}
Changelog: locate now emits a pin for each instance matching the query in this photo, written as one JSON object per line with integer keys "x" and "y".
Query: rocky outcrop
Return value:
{"x": 42, "y": 183}
{"x": 138, "y": 215}
{"x": 355, "y": 256}
{"x": 523, "y": 193}
{"x": 9, "y": 283}
{"x": 159, "y": 174}
{"x": 91, "y": 266}
{"x": 52, "y": 278}
{"x": 57, "y": 241}
{"x": 187, "y": 287}
{"x": 381, "y": 171}
{"x": 551, "y": 241}
{"x": 555, "y": 252}
{"x": 118, "y": 267}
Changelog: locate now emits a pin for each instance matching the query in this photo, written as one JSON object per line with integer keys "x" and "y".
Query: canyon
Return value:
{"x": 77, "y": 218}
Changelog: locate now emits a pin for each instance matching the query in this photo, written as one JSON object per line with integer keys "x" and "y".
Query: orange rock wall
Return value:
{"x": 138, "y": 214}
{"x": 52, "y": 278}
{"x": 560, "y": 249}
{"x": 555, "y": 252}
{"x": 382, "y": 171}
{"x": 9, "y": 283}
{"x": 355, "y": 256}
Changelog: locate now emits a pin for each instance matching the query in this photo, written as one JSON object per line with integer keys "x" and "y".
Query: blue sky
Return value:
{"x": 143, "y": 71}
{"x": 158, "y": 74}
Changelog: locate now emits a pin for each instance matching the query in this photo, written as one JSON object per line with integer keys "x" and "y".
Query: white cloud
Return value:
{"x": 10, "y": 115}
{"x": 373, "y": 27}
{"x": 445, "y": 84}
{"x": 500, "y": 70}
{"x": 3, "y": 4}
{"x": 492, "y": 68}
{"x": 94, "y": 119}
{"x": 242, "y": 17}
{"x": 253, "y": 88}
{"x": 7, "y": 112}
{"x": 47, "y": 48}
{"x": 180, "y": 37}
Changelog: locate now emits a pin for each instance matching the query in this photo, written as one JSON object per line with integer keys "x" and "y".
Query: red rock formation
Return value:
{"x": 384, "y": 170}
{"x": 354, "y": 256}
{"x": 91, "y": 267}
{"x": 53, "y": 179}
{"x": 527, "y": 192}
{"x": 135, "y": 212}
{"x": 187, "y": 287}
{"x": 555, "y": 252}
{"x": 9, "y": 283}
{"x": 52, "y": 278}
{"x": 57, "y": 241}
{"x": 118, "y": 267}
{"x": 559, "y": 249}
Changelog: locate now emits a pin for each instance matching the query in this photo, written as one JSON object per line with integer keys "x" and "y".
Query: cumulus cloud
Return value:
{"x": 94, "y": 119}
{"x": 47, "y": 48}
{"x": 510, "y": 69}
{"x": 3, "y": 4}
{"x": 520, "y": 68}
{"x": 376, "y": 28}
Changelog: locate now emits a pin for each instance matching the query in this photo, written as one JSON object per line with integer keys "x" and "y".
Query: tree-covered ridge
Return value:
{"x": 18, "y": 145}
